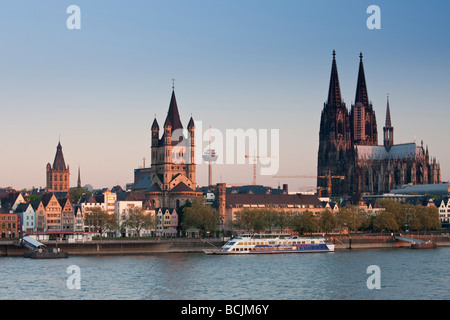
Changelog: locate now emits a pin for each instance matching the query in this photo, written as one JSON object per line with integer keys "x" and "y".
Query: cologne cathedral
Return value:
{"x": 350, "y": 160}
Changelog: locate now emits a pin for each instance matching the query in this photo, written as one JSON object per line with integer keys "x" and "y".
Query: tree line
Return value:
{"x": 198, "y": 214}
{"x": 395, "y": 217}
{"x": 134, "y": 218}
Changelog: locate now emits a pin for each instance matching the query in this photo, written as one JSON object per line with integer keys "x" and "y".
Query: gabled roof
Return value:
{"x": 63, "y": 202}
{"x": 154, "y": 188}
{"x": 117, "y": 189}
{"x": 125, "y": 196}
{"x": 35, "y": 204}
{"x": 22, "y": 207}
{"x": 46, "y": 197}
{"x": 92, "y": 198}
{"x": 10, "y": 198}
{"x": 143, "y": 183}
{"x": 181, "y": 187}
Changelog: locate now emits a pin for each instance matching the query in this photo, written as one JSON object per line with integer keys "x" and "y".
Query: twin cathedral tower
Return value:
{"x": 348, "y": 147}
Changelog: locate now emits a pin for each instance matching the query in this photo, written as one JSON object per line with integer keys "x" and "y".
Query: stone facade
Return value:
{"x": 348, "y": 148}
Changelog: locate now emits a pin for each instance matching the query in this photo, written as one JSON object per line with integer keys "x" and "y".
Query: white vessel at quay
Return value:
{"x": 273, "y": 243}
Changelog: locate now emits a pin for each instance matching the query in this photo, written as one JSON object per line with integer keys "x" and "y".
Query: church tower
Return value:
{"x": 335, "y": 145}
{"x": 172, "y": 173}
{"x": 58, "y": 175}
{"x": 362, "y": 116}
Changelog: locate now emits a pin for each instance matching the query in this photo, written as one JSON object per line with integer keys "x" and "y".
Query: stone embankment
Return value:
{"x": 124, "y": 247}
{"x": 118, "y": 247}
{"x": 385, "y": 242}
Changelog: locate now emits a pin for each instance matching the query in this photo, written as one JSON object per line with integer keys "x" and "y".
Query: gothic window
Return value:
{"x": 368, "y": 132}
{"x": 340, "y": 127}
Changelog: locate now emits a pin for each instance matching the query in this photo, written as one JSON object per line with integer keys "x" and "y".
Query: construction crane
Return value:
{"x": 329, "y": 176}
{"x": 254, "y": 164}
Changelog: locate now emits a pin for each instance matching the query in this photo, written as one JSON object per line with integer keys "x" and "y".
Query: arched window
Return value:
{"x": 340, "y": 127}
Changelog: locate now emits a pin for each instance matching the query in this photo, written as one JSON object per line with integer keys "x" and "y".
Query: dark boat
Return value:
{"x": 50, "y": 254}
{"x": 39, "y": 250}
{"x": 426, "y": 245}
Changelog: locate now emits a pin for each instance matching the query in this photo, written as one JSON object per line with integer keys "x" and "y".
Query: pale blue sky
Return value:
{"x": 237, "y": 64}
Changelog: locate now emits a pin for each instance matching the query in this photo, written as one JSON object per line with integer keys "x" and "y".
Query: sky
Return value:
{"x": 250, "y": 64}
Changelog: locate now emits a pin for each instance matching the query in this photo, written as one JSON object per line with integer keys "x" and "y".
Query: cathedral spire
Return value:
{"x": 334, "y": 91}
{"x": 388, "y": 129}
{"x": 361, "y": 89}
{"x": 388, "y": 114}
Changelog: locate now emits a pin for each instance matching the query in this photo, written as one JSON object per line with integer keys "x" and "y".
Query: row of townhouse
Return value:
{"x": 118, "y": 203}
{"x": 444, "y": 210}
{"x": 52, "y": 212}
{"x": 57, "y": 212}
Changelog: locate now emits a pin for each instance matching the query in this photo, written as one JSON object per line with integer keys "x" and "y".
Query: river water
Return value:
{"x": 403, "y": 274}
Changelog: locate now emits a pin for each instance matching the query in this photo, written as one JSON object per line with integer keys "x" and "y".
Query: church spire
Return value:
{"x": 334, "y": 91}
{"x": 388, "y": 129}
{"x": 79, "y": 178}
{"x": 59, "y": 164}
{"x": 388, "y": 114}
{"x": 173, "y": 116}
{"x": 361, "y": 88}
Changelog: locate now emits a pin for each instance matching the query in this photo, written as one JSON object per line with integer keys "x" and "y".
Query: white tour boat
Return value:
{"x": 272, "y": 243}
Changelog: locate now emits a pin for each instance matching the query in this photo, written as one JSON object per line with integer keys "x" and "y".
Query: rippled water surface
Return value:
{"x": 405, "y": 274}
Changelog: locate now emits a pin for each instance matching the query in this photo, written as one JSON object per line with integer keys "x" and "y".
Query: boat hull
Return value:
{"x": 220, "y": 252}
{"x": 423, "y": 246}
{"x": 272, "y": 244}
{"x": 46, "y": 255}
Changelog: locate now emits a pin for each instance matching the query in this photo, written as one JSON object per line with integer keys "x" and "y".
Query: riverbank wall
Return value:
{"x": 117, "y": 247}
{"x": 385, "y": 241}
{"x": 177, "y": 245}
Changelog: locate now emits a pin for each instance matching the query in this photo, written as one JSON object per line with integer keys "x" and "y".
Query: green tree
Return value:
{"x": 350, "y": 217}
{"x": 250, "y": 220}
{"x": 137, "y": 219}
{"x": 420, "y": 217}
{"x": 431, "y": 218}
{"x": 76, "y": 193}
{"x": 305, "y": 222}
{"x": 385, "y": 220}
{"x": 283, "y": 219}
{"x": 200, "y": 215}
{"x": 397, "y": 209}
{"x": 270, "y": 219}
{"x": 98, "y": 219}
{"x": 327, "y": 221}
